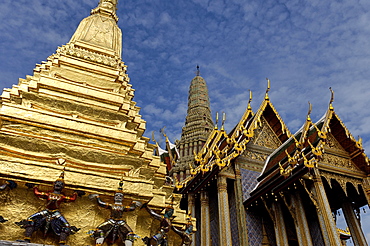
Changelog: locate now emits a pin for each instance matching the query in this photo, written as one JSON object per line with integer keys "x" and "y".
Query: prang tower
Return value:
{"x": 198, "y": 125}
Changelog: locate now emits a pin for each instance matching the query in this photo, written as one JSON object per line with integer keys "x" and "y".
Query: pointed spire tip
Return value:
{"x": 107, "y": 7}
{"x": 268, "y": 89}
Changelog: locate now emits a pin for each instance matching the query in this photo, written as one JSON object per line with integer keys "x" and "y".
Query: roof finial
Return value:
{"x": 111, "y": 4}
{"x": 162, "y": 131}
{"x": 223, "y": 120}
{"x": 331, "y": 99}
{"x": 216, "y": 125}
{"x": 268, "y": 89}
{"x": 250, "y": 100}
{"x": 198, "y": 71}
{"x": 309, "y": 111}
{"x": 153, "y": 138}
{"x": 107, "y": 7}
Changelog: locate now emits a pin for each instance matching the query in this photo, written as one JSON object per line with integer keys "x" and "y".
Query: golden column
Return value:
{"x": 280, "y": 230}
{"x": 205, "y": 231}
{"x": 223, "y": 211}
{"x": 326, "y": 220}
{"x": 300, "y": 221}
{"x": 191, "y": 210}
{"x": 353, "y": 224}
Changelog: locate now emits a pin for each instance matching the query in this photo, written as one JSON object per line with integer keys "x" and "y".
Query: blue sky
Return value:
{"x": 303, "y": 47}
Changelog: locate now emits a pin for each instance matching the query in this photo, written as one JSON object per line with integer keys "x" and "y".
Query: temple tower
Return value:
{"x": 198, "y": 125}
{"x": 76, "y": 112}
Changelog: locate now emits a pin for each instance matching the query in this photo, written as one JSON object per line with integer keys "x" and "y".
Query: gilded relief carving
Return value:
{"x": 342, "y": 180}
{"x": 255, "y": 155}
{"x": 366, "y": 185}
{"x": 87, "y": 55}
{"x": 333, "y": 143}
{"x": 292, "y": 209}
{"x": 339, "y": 161}
{"x": 310, "y": 194}
{"x": 265, "y": 136}
{"x": 101, "y": 33}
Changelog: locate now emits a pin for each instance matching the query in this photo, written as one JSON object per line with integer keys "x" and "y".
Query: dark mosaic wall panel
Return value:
{"x": 233, "y": 214}
{"x": 317, "y": 239}
{"x": 213, "y": 207}
{"x": 198, "y": 217}
{"x": 312, "y": 220}
{"x": 270, "y": 231}
{"x": 255, "y": 231}
{"x": 314, "y": 226}
{"x": 249, "y": 181}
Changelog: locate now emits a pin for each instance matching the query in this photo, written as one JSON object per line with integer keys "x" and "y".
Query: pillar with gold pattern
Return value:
{"x": 223, "y": 211}
{"x": 205, "y": 229}
{"x": 191, "y": 211}
{"x": 326, "y": 220}
{"x": 240, "y": 210}
{"x": 300, "y": 221}
{"x": 280, "y": 229}
{"x": 353, "y": 223}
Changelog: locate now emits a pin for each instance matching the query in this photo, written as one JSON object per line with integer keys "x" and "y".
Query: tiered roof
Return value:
{"x": 221, "y": 149}
{"x": 306, "y": 150}
{"x": 198, "y": 122}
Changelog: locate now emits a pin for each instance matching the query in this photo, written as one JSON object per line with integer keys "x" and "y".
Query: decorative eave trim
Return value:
{"x": 236, "y": 143}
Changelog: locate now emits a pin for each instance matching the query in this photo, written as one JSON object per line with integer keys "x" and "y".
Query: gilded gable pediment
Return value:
{"x": 333, "y": 144}
{"x": 265, "y": 136}
{"x": 337, "y": 157}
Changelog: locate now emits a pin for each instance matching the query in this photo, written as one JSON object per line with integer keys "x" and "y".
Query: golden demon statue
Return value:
{"x": 50, "y": 217}
{"x": 186, "y": 233}
{"x": 115, "y": 227}
{"x": 160, "y": 238}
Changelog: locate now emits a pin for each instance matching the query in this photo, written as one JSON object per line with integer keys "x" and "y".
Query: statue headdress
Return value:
{"x": 61, "y": 176}
{"x": 119, "y": 189}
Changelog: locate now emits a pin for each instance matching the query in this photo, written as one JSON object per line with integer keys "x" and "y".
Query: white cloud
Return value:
{"x": 302, "y": 47}
{"x": 165, "y": 18}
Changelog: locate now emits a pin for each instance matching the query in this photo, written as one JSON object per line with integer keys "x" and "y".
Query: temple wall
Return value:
{"x": 20, "y": 203}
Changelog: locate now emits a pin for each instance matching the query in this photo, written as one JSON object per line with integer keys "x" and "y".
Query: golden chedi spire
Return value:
{"x": 99, "y": 32}
{"x": 107, "y": 7}
{"x": 78, "y": 106}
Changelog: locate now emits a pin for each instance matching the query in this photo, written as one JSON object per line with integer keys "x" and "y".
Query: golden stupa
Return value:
{"x": 76, "y": 113}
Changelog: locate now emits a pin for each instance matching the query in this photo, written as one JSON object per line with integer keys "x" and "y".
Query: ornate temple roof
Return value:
{"x": 308, "y": 148}
{"x": 221, "y": 148}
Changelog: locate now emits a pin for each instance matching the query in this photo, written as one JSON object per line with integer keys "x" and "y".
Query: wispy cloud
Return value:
{"x": 303, "y": 47}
